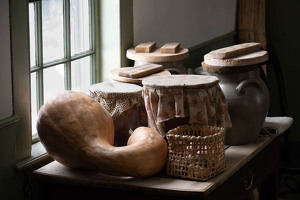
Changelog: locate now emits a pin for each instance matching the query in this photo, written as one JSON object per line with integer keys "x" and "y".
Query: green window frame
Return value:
{"x": 117, "y": 32}
{"x": 39, "y": 65}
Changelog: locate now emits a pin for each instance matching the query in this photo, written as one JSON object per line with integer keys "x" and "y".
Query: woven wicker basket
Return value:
{"x": 196, "y": 152}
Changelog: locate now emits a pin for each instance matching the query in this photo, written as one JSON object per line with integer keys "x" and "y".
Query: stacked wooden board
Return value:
{"x": 243, "y": 56}
{"x": 153, "y": 58}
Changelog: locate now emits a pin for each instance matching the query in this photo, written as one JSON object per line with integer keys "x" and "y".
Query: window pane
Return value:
{"x": 80, "y": 31}
{"x": 33, "y": 102}
{"x": 53, "y": 81}
{"x": 32, "y": 34}
{"x": 52, "y": 14}
{"x": 80, "y": 75}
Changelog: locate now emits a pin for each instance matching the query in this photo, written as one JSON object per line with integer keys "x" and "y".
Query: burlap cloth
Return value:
{"x": 116, "y": 97}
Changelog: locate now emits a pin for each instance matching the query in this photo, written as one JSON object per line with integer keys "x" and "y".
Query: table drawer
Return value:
{"x": 249, "y": 176}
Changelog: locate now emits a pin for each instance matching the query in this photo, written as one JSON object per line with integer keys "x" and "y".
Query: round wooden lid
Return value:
{"x": 227, "y": 69}
{"x": 114, "y": 74}
{"x": 115, "y": 87}
{"x": 181, "y": 81}
{"x": 156, "y": 56}
{"x": 243, "y": 60}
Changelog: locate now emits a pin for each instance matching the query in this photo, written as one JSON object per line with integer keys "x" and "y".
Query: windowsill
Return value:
{"x": 38, "y": 150}
{"x": 39, "y": 155}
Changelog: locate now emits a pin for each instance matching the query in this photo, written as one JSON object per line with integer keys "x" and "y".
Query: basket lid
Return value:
{"x": 181, "y": 81}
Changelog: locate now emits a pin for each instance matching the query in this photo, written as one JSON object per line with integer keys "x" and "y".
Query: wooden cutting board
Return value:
{"x": 140, "y": 71}
{"x": 235, "y": 50}
{"x": 114, "y": 74}
{"x": 242, "y": 60}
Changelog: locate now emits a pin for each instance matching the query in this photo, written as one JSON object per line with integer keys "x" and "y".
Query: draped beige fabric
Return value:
{"x": 206, "y": 106}
{"x": 251, "y": 21}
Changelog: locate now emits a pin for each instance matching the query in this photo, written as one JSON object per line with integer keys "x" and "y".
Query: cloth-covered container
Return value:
{"x": 198, "y": 98}
{"x": 125, "y": 103}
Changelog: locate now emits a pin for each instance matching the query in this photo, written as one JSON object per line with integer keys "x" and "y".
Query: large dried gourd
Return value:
{"x": 79, "y": 133}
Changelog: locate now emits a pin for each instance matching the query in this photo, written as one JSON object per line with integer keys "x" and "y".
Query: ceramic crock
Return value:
{"x": 238, "y": 69}
{"x": 248, "y": 103}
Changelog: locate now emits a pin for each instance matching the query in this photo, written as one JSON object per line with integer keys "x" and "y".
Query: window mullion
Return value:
{"x": 92, "y": 41}
{"x": 67, "y": 44}
{"x": 39, "y": 54}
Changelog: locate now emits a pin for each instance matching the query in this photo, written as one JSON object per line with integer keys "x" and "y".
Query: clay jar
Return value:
{"x": 247, "y": 96}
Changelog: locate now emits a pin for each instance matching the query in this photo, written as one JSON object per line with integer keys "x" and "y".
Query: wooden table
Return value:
{"x": 248, "y": 167}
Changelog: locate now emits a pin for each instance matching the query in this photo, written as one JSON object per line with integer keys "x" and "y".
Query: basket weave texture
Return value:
{"x": 196, "y": 152}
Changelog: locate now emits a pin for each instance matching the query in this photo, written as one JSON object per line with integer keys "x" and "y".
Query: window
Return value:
{"x": 62, "y": 49}
{"x": 111, "y": 35}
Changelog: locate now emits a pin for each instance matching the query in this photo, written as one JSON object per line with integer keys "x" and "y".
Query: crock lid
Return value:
{"x": 228, "y": 69}
{"x": 242, "y": 60}
{"x": 156, "y": 56}
{"x": 181, "y": 81}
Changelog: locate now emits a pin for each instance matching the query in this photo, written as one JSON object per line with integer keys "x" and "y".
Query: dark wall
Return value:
{"x": 10, "y": 182}
{"x": 283, "y": 34}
